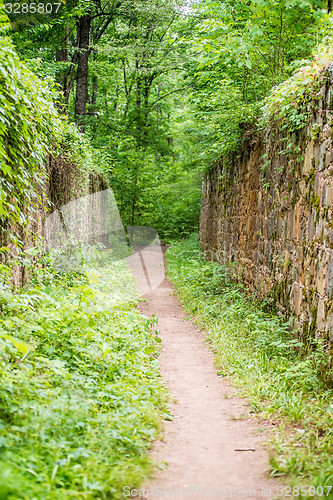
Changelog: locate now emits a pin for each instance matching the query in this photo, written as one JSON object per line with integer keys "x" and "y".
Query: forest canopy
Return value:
{"x": 162, "y": 88}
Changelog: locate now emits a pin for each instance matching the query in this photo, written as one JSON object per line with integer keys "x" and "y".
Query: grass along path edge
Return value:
{"x": 256, "y": 352}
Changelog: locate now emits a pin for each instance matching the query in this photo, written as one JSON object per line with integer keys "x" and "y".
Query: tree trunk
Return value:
{"x": 81, "y": 99}
{"x": 94, "y": 82}
{"x": 138, "y": 100}
{"x": 134, "y": 198}
{"x": 329, "y": 6}
{"x": 62, "y": 56}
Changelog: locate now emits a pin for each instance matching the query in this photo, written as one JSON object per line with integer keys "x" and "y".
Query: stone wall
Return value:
{"x": 65, "y": 182}
{"x": 269, "y": 210}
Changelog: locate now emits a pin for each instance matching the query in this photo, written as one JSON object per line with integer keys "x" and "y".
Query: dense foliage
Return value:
{"x": 25, "y": 128}
{"x": 291, "y": 104}
{"x": 244, "y": 50}
{"x": 80, "y": 394}
{"x": 31, "y": 130}
{"x": 255, "y": 350}
{"x": 122, "y": 80}
{"x": 163, "y": 88}
{"x": 78, "y": 413}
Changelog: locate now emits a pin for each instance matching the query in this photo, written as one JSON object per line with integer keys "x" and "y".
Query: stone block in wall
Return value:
{"x": 296, "y": 298}
{"x": 327, "y": 198}
{"x": 327, "y": 131}
{"x": 308, "y": 158}
{"x": 329, "y": 276}
{"x": 296, "y": 272}
{"x": 321, "y": 316}
{"x": 320, "y": 281}
{"x": 324, "y": 147}
{"x": 329, "y": 325}
{"x": 311, "y": 225}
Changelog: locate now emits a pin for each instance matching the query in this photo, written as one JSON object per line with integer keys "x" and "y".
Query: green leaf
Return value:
{"x": 20, "y": 345}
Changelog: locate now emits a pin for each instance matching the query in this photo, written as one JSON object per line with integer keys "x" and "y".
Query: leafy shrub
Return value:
{"x": 26, "y": 119}
{"x": 80, "y": 411}
{"x": 291, "y": 103}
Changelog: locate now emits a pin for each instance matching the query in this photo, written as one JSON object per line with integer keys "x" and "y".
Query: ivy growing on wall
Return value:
{"x": 27, "y": 120}
{"x": 290, "y": 104}
{"x": 31, "y": 129}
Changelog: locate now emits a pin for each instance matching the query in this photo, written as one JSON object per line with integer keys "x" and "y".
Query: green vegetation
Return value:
{"x": 116, "y": 68}
{"x": 163, "y": 88}
{"x": 255, "y": 350}
{"x": 244, "y": 50}
{"x": 25, "y": 128}
{"x": 79, "y": 412}
{"x": 291, "y": 104}
{"x": 32, "y": 131}
{"x": 81, "y": 398}
{"x": 141, "y": 97}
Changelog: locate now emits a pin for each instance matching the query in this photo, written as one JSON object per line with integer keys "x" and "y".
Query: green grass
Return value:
{"x": 79, "y": 413}
{"x": 255, "y": 350}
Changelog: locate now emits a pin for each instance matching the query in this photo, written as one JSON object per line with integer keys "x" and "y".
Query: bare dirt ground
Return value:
{"x": 208, "y": 445}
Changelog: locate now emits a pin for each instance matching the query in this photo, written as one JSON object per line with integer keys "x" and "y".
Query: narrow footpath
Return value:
{"x": 212, "y": 447}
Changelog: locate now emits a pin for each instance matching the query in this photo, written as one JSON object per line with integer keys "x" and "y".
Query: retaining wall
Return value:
{"x": 269, "y": 210}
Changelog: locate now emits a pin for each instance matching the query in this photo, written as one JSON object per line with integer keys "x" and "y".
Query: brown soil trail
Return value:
{"x": 209, "y": 425}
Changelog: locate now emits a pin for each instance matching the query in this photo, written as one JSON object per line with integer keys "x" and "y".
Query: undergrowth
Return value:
{"x": 257, "y": 352}
{"x": 79, "y": 412}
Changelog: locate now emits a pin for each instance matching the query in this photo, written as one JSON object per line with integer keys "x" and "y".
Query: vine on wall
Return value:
{"x": 44, "y": 160}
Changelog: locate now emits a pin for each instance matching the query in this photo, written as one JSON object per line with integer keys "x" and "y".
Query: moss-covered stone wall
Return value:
{"x": 269, "y": 210}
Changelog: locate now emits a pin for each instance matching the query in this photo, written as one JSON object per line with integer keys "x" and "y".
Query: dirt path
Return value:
{"x": 200, "y": 443}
